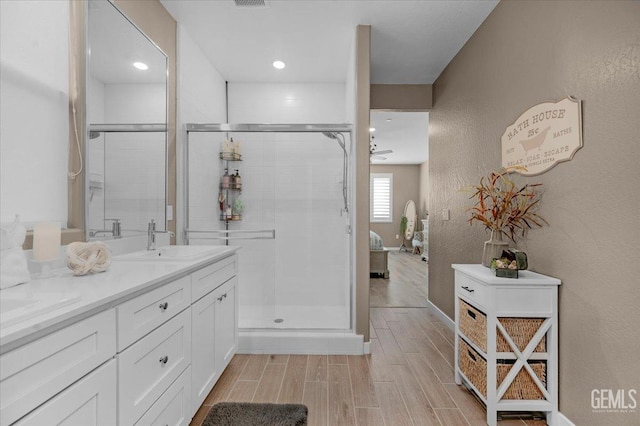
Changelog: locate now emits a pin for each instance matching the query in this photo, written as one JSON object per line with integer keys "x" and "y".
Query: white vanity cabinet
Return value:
{"x": 35, "y": 372}
{"x": 215, "y": 330}
{"x": 148, "y": 358}
{"x": 506, "y": 346}
{"x": 89, "y": 402}
{"x": 149, "y": 367}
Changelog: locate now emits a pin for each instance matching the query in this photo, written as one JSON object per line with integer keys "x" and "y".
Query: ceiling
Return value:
{"x": 412, "y": 40}
{"x": 114, "y": 46}
{"x": 406, "y": 134}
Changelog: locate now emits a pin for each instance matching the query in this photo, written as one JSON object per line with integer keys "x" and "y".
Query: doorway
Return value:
{"x": 399, "y": 174}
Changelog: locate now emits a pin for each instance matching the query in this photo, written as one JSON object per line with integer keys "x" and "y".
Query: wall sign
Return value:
{"x": 543, "y": 136}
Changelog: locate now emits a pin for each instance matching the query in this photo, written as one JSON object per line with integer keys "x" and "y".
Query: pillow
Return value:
{"x": 375, "y": 242}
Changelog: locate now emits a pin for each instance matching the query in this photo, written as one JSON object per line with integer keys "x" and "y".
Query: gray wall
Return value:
{"x": 406, "y": 183}
{"x": 528, "y": 52}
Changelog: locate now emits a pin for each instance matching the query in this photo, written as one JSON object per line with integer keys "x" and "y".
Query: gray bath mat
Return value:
{"x": 252, "y": 414}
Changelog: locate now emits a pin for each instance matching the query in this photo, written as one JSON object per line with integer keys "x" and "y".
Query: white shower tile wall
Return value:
{"x": 131, "y": 165}
{"x": 292, "y": 182}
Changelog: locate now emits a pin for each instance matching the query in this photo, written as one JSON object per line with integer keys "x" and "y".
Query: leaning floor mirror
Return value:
{"x": 126, "y": 135}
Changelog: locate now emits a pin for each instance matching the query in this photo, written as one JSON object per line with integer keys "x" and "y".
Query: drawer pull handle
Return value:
{"x": 164, "y": 360}
{"x": 470, "y": 290}
{"x": 472, "y": 356}
{"x": 164, "y": 306}
{"x": 471, "y": 314}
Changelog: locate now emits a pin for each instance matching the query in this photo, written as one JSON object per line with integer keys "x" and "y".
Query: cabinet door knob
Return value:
{"x": 224, "y": 296}
{"x": 164, "y": 360}
{"x": 470, "y": 290}
{"x": 164, "y": 306}
{"x": 220, "y": 299}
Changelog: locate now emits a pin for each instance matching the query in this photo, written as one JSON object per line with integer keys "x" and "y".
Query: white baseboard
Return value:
{"x": 366, "y": 348}
{"x": 564, "y": 421}
{"x": 451, "y": 325}
{"x": 320, "y": 343}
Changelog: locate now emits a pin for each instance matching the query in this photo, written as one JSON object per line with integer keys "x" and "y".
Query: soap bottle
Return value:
{"x": 237, "y": 180}
{"x": 226, "y": 179}
{"x": 228, "y": 212}
{"x": 232, "y": 148}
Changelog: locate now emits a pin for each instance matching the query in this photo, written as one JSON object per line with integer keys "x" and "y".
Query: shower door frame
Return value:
{"x": 270, "y": 233}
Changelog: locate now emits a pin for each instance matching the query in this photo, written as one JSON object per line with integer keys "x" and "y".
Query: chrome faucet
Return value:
{"x": 151, "y": 235}
{"x": 115, "y": 230}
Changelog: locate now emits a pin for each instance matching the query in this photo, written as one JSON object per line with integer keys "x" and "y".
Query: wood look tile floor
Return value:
{"x": 406, "y": 380}
{"x": 406, "y": 285}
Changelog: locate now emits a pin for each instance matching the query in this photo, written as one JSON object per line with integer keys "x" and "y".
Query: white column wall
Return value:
{"x": 201, "y": 99}
{"x": 34, "y": 92}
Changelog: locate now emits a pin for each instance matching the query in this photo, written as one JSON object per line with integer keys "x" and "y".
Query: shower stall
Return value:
{"x": 293, "y": 227}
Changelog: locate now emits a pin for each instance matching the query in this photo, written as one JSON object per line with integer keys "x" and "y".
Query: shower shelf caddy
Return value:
{"x": 242, "y": 234}
{"x": 232, "y": 190}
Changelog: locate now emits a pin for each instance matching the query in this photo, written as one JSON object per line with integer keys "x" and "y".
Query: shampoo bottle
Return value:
{"x": 226, "y": 179}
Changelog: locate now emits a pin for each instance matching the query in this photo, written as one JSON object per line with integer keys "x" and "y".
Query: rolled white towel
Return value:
{"x": 12, "y": 235}
{"x": 13, "y": 261}
{"x": 83, "y": 258}
{"x": 13, "y": 267}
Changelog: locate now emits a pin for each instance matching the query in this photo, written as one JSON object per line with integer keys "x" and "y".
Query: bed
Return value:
{"x": 378, "y": 256}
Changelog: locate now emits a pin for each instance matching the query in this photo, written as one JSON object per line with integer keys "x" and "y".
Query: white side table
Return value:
{"x": 507, "y": 340}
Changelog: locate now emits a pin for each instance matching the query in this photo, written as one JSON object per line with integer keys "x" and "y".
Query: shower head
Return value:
{"x": 331, "y": 135}
{"x": 337, "y": 137}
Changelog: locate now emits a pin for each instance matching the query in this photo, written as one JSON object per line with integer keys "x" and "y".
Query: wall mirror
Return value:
{"x": 126, "y": 138}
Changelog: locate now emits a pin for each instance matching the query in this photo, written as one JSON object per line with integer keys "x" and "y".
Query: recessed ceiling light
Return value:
{"x": 388, "y": 120}
{"x": 372, "y": 129}
{"x": 141, "y": 66}
{"x": 278, "y": 65}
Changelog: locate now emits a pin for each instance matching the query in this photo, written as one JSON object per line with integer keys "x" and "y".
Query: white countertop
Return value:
{"x": 484, "y": 274}
{"x": 92, "y": 293}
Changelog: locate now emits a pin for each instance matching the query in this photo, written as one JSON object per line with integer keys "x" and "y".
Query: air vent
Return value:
{"x": 252, "y": 3}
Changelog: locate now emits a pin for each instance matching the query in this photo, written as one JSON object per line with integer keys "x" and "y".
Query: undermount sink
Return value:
{"x": 173, "y": 253}
{"x": 18, "y": 307}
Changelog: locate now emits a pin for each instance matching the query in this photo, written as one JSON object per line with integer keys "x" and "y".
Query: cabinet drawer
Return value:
{"x": 33, "y": 373}
{"x": 147, "y": 368}
{"x": 138, "y": 316}
{"x": 472, "y": 290}
{"x": 173, "y": 407}
{"x": 90, "y": 402}
{"x": 473, "y": 324}
{"x": 213, "y": 276}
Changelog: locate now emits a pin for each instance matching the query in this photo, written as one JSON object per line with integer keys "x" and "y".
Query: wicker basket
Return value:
{"x": 474, "y": 367}
{"x": 521, "y": 331}
{"x": 473, "y": 324}
{"x": 523, "y": 386}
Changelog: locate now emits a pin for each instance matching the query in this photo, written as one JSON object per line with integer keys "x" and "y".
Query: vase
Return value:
{"x": 493, "y": 248}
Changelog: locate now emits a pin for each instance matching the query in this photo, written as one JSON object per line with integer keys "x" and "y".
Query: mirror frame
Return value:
{"x": 85, "y": 122}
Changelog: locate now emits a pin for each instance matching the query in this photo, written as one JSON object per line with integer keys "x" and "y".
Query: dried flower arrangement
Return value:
{"x": 502, "y": 205}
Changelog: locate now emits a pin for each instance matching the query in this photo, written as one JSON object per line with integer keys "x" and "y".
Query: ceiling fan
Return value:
{"x": 374, "y": 154}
